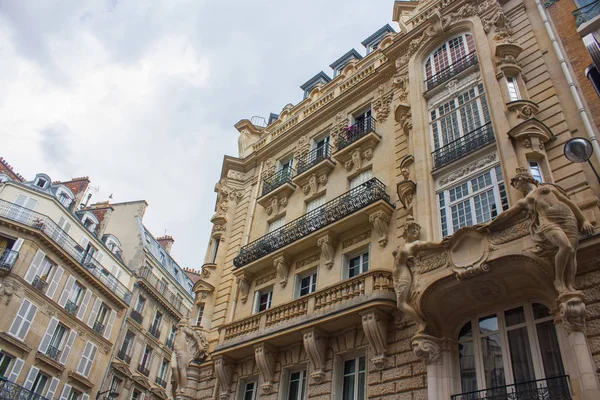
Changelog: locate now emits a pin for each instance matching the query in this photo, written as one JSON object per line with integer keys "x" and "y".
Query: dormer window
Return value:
{"x": 4, "y": 178}
{"x": 89, "y": 222}
{"x": 42, "y": 181}
{"x": 65, "y": 196}
{"x": 372, "y": 42}
{"x": 338, "y": 65}
{"x": 112, "y": 243}
{"x": 320, "y": 78}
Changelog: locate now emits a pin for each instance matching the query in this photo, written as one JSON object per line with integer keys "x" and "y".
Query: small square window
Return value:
{"x": 263, "y": 299}
{"x": 41, "y": 182}
{"x": 358, "y": 264}
{"x": 306, "y": 283}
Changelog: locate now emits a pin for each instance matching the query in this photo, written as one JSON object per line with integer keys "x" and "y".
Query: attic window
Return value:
{"x": 3, "y": 178}
{"x": 40, "y": 182}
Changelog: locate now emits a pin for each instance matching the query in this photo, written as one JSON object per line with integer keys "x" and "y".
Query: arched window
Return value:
{"x": 65, "y": 196}
{"x": 508, "y": 349}
{"x": 89, "y": 221}
{"x": 454, "y": 55}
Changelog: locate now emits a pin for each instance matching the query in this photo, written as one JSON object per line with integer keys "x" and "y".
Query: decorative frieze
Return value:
{"x": 266, "y": 278}
{"x": 356, "y": 239}
{"x": 308, "y": 261}
{"x": 467, "y": 169}
{"x": 381, "y": 104}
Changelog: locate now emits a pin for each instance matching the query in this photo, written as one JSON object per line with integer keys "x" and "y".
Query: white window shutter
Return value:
{"x": 64, "y": 355}
{"x": 64, "y": 395}
{"x": 55, "y": 281}
{"x": 33, "y": 371}
{"x": 109, "y": 325}
{"x": 16, "y": 370}
{"x": 28, "y": 321}
{"x": 48, "y": 335}
{"x": 66, "y": 291}
{"x": 31, "y": 203}
{"x": 99, "y": 256}
{"x": 52, "y": 388}
{"x": 94, "y": 312}
{"x": 88, "y": 367}
{"x": 20, "y": 317}
{"x": 84, "y": 304}
{"x": 85, "y": 397}
{"x": 17, "y": 245}
{"x": 84, "y": 358}
{"x": 35, "y": 266}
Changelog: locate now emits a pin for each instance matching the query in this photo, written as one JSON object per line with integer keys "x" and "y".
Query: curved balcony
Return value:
{"x": 450, "y": 71}
{"x": 45, "y": 224}
{"x": 463, "y": 146}
{"x": 334, "y": 214}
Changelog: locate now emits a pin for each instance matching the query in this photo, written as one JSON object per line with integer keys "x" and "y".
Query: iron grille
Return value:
{"x": 556, "y": 388}
{"x": 40, "y": 284}
{"x": 155, "y": 331}
{"x": 154, "y": 281}
{"x": 161, "y": 382}
{"x": 277, "y": 179}
{"x": 313, "y": 158}
{"x": 464, "y": 145}
{"x": 53, "y": 352}
{"x": 45, "y": 224}
{"x": 122, "y": 355}
{"x": 137, "y": 316}
{"x": 8, "y": 258}
{"x": 12, "y": 391}
{"x": 143, "y": 369}
{"x": 451, "y": 70}
{"x": 98, "y": 327}
{"x": 71, "y": 307}
{"x": 334, "y": 210}
{"x": 354, "y": 132}
{"x": 587, "y": 13}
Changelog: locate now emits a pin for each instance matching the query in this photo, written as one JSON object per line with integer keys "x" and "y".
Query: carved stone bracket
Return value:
{"x": 282, "y": 265}
{"x": 406, "y": 188}
{"x": 243, "y": 282}
{"x": 532, "y": 133}
{"x": 426, "y": 347}
{"x": 374, "y": 326}
{"x": 327, "y": 245}
{"x": 356, "y": 158}
{"x": 265, "y": 361}
{"x": 223, "y": 373}
{"x": 314, "y": 346}
{"x": 275, "y": 204}
{"x": 381, "y": 222}
{"x": 314, "y": 183}
{"x": 572, "y": 311}
{"x": 381, "y": 104}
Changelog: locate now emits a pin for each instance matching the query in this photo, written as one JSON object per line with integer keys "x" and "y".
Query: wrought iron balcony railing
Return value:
{"x": 356, "y": 131}
{"x": 143, "y": 369}
{"x": 12, "y": 391}
{"x": 277, "y": 179}
{"x": 313, "y": 158}
{"x": 169, "y": 343}
{"x": 161, "y": 382}
{"x": 40, "y": 284}
{"x": 451, "y": 70}
{"x": 99, "y": 327}
{"x": 586, "y": 13}
{"x": 158, "y": 284}
{"x": 45, "y": 224}
{"x": 137, "y": 316}
{"x": 8, "y": 258}
{"x": 334, "y": 210}
{"x": 122, "y": 355}
{"x": 556, "y": 388}
{"x": 53, "y": 353}
{"x": 464, "y": 145}
{"x": 71, "y": 307}
{"x": 154, "y": 331}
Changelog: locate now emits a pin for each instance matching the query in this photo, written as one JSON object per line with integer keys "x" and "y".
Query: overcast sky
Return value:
{"x": 142, "y": 96}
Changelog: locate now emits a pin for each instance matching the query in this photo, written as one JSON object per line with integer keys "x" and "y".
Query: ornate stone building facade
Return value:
{"x": 411, "y": 229}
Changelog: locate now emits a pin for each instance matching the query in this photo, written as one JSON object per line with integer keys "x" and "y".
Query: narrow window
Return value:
{"x": 199, "y": 316}
{"x": 263, "y": 299}
{"x": 513, "y": 88}
{"x": 314, "y": 204}
{"x": 361, "y": 178}
{"x": 215, "y": 249}
{"x": 297, "y": 386}
{"x": 250, "y": 391}
{"x": 354, "y": 379}
{"x": 307, "y": 284}
{"x": 536, "y": 171}
{"x": 358, "y": 265}
{"x": 5, "y": 361}
{"x": 141, "y": 304}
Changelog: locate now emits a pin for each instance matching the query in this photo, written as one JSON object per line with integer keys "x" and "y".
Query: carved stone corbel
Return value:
{"x": 572, "y": 311}
{"x": 282, "y": 265}
{"x": 374, "y": 326}
{"x": 243, "y": 282}
{"x": 223, "y": 373}
{"x": 381, "y": 222}
{"x": 265, "y": 361}
{"x": 381, "y": 104}
{"x": 314, "y": 345}
{"x": 327, "y": 245}
{"x": 426, "y": 347}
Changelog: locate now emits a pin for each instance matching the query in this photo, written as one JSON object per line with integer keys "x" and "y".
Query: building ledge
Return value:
{"x": 81, "y": 379}
{"x": 49, "y": 361}
{"x": 365, "y": 146}
{"x": 15, "y": 342}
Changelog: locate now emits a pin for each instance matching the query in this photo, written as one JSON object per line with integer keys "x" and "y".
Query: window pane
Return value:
{"x": 461, "y": 215}
{"x": 349, "y": 367}
{"x": 540, "y": 311}
{"x": 365, "y": 262}
{"x": 515, "y": 316}
{"x": 348, "y": 393}
{"x": 553, "y": 365}
{"x": 249, "y": 395}
{"x": 468, "y": 371}
{"x": 466, "y": 332}
{"x": 491, "y": 350}
{"x": 488, "y": 324}
{"x": 354, "y": 267}
{"x": 485, "y": 206}
{"x": 294, "y": 386}
{"x": 520, "y": 354}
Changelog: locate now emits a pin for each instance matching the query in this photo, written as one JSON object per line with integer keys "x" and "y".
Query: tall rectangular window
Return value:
{"x": 199, "y": 315}
{"x": 215, "y": 249}
{"x": 474, "y": 201}
{"x": 354, "y": 379}
{"x": 262, "y": 300}
{"x": 250, "y": 391}
{"x": 127, "y": 343}
{"x": 361, "y": 178}
{"x": 536, "y": 171}
{"x": 315, "y": 203}
{"x": 513, "y": 88}
{"x": 307, "y": 283}
{"x": 141, "y": 304}
{"x": 22, "y": 322}
{"x": 357, "y": 265}
{"x": 278, "y": 223}
{"x": 297, "y": 386}
{"x": 5, "y": 361}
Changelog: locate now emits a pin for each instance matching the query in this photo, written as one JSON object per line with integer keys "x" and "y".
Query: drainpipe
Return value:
{"x": 565, "y": 68}
{"x": 247, "y": 236}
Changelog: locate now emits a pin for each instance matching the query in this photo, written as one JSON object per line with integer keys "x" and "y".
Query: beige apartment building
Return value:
{"x": 162, "y": 296}
{"x": 64, "y": 288}
{"x": 352, "y": 255}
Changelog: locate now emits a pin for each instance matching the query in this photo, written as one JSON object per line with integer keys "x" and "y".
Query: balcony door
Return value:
{"x": 321, "y": 147}
{"x": 21, "y": 210}
{"x": 505, "y": 351}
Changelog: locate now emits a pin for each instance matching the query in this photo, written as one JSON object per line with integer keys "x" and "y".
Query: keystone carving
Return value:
{"x": 223, "y": 373}
{"x": 426, "y": 347}
{"x": 265, "y": 361}
{"x": 381, "y": 222}
{"x": 327, "y": 245}
{"x": 243, "y": 282}
{"x": 314, "y": 346}
{"x": 374, "y": 326}
{"x": 282, "y": 265}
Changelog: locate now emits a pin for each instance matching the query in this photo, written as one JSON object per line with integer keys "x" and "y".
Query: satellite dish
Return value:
{"x": 578, "y": 150}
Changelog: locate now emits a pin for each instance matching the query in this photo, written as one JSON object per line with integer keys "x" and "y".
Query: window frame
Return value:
{"x": 358, "y": 253}
{"x": 339, "y": 375}
{"x": 313, "y": 274}
{"x": 448, "y": 53}
{"x": 303, "y": 386}
{"x": 535, "y": 170}
{"x": 8, "y": 365}
{"x": 512, "y": 84}
{"x": 200, "y": 314}
{"x": 258, "y": 294}
{"x": 272, "y": 222}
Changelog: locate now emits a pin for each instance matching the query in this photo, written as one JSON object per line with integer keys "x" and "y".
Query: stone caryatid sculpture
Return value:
{"x": 188, "y": 345}
{"x": 555, "y": 225}
{"x": 404, "y": 259}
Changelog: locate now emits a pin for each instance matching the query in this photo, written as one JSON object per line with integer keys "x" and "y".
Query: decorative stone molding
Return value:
{"x": 406, "y": 188}
{"x": 525, "y": 109}
{"x": 486, "y": 291}
{"x": 282, "y": 265}
{"x": 265, "y": 279}
{"x": 531, "y": 134}
{"x": 243, "y": 281}
{"x": 275, "y": 205}
{"x": 315, "y": 183}
{"x": 381, "y": 222}
{"x": 302, "y": 147}
{"x": 468, "y": 251}
{"x": 223, "y": 373}
{"x": 356, "y": 239}
{"x": 513, "y": 232}
{"x": 8, "y": 287}
{"x": 307, "y": 261}
{"x": 508, "y": 66}
{"x": 426, "y": 347}
{"x": 327, "y": 245}
{"x": 572, "y": 311}
{"x": 314, "y": 346}
{"x": 467, "y": 169}
{"x": 236, "y": 175}
{"x": 425, "y": 264}
{"x": 265, "y": 361}
{"x": 381, "y": 104}
{"x": 339, "y": 125}
{"x": 403, "y": 116}
{"x": 375, "y": 329}
{"x": 453, "y": 86}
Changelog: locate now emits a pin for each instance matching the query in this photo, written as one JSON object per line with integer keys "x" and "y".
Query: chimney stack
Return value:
{"x": 166, "y": 242}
